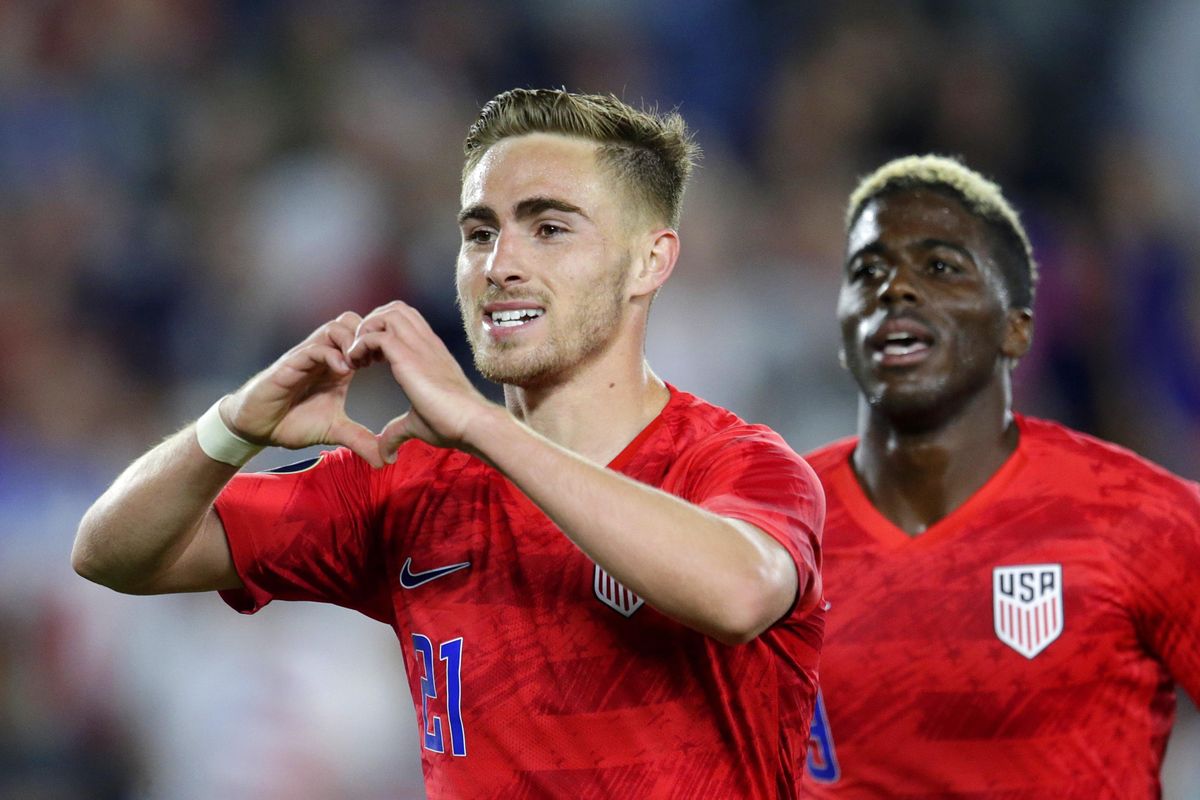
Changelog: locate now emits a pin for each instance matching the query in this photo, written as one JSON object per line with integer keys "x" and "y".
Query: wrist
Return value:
{"x": 485, "y": 428}
{"x": 218, "y": 440}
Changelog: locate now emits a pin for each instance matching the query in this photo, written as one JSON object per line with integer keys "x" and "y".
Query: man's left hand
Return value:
{"x": 444, "y": 403}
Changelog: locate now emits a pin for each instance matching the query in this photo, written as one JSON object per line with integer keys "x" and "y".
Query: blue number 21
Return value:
{"x": 451, "y": 653}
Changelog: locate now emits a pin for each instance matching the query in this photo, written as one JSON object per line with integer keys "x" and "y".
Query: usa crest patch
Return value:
{"x": 1027, "y": 604}
{"x": 614, "y": 595}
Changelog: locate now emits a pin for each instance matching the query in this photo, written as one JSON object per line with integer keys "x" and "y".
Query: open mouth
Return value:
{"x": 511, "y": 319}
{"x": 901, "y": 342}
{"x": 498, "y": 319}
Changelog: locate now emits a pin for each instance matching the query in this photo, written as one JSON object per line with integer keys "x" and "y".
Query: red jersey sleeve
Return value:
{"x": 750, "y": 474}
{"x": 305, "y": 533}
{"x": 1158, "y": 561}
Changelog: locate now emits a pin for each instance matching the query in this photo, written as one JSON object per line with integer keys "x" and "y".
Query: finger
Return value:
{"x": 381, "y": 345}
{"x": 336, "y": 361}
{"x": 335, "y": 330}
{"x": 393, "y": 316}
{"x": 341, "y": 331}
{"x": 375, "y": 321}
{"x": 418, "y": 321}
{"x": 359, "y": 439}
{"x": 385, "y": 309}
{"x": 394, "y": 434}
{"x": 348, "y": 318}
{"x": 301, "y": 364}
{"x": 397, "y": 318}
{"x": 411, "y": 328}
{"x": 365, "y": 350}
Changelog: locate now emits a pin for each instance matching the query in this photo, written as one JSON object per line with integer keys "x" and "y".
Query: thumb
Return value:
{"x": 394, "y": 434}
{"x": 358, "y": 438}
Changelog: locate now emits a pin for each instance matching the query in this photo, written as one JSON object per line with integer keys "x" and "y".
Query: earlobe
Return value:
{"x": 1018, "y": 335}
{"x": 658, "y": 261}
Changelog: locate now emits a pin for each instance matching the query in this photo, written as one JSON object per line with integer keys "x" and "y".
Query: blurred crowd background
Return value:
{"x": 188, "y": 187}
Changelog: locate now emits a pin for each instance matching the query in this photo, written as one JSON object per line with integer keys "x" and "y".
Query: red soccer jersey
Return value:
{"x": 1025, "y": 646}
{"x": 533, "y": 673}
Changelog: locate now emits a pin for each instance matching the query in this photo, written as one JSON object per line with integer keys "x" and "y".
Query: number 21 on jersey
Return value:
{"x": 450, "y": 654}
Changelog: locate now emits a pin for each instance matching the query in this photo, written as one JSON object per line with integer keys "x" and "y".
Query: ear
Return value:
{"x": 842, "y": 356}
{"x": 1018, "y": 333}
{"x": 658, "y": 253}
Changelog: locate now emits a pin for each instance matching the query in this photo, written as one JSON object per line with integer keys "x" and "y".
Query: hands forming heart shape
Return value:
{"x": 300, "y": 400}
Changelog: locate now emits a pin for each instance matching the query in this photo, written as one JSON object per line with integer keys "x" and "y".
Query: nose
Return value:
{"x": 899, "y": 288}
{"x": 504, "y": 265}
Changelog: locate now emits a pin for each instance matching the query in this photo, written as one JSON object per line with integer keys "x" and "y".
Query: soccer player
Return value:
{"x": 609, "y": 588}
{"x": 1011, "y": 600}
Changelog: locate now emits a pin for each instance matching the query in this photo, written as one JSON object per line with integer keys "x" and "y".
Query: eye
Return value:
{"x": 941, "y": 266}
{"x": 867, "y": 270}
{"x": 480, "y": 235}
{"x": 548, "y": 230}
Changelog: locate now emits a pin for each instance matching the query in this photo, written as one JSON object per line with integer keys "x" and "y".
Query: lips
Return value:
{"x": 901, "y": 342}
{"x": 506, "y": 317}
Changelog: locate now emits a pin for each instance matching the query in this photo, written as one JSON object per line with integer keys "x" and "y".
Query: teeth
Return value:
{"x": 519, "y": 316}
{"x": 903, "y": 349}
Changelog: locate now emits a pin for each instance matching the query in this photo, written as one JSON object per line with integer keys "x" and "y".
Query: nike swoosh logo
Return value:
{"x": 411, "y": 580}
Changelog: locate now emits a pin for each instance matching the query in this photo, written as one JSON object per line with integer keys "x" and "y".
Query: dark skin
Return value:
{"x": 930, "y": 337}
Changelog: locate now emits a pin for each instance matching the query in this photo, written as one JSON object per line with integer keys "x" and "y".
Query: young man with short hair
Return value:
{"x": 645, "y": 629}
{"x": 1011, "y": 602}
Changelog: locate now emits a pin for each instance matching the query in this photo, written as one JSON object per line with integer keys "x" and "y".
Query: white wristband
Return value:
{"x": 221, "y": 444}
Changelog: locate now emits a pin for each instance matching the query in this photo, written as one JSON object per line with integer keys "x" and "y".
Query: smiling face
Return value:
{"x": 545, "y": 260}
{"x": 924, "y": 312}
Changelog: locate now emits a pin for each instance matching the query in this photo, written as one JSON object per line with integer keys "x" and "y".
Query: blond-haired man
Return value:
{"x": 607, "y": 588}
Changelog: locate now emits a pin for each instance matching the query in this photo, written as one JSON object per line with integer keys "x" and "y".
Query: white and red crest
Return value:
{"x": 1027, "y": 604}
{"x": 614, "y": 595}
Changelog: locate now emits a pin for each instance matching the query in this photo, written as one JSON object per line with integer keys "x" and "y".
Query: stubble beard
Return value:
{"x": 574, "y": 339}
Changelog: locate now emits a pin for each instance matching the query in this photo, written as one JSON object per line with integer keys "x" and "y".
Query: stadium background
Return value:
{"x": 187, "y": 188}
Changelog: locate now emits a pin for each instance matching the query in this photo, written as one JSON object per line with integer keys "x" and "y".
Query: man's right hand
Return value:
{"x": 300, "y": 400}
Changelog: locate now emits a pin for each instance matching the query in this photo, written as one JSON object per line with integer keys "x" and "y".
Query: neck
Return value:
{"x": 596, "y": 411}
{"x": 917, "y": 475}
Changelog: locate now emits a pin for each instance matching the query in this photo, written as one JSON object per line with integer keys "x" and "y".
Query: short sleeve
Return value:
{"x": 306, "y": 533}
{"x": 750, "y": 474}
{"x": 1160, "y": 556}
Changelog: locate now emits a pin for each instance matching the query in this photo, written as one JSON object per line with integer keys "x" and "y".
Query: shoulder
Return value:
{"x": 711, "y": 441}
{"x": 832, "y": 456}
{"x": 1104, "y": 476}
{"x": 1054, "y": 447}
{"x": 699, "y": 427}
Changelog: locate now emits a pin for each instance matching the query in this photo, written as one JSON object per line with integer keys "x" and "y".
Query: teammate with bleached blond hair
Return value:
{"x": 1012, "y": 602}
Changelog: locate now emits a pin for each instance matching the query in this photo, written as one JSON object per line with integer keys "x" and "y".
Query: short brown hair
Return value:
{"x": 977, "y": 194}
{"x": 651, "y": 153}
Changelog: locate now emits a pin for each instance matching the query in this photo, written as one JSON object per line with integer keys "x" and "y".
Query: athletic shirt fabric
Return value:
{"x": 532, "y": 672}
{"x": 1080, "y": 554}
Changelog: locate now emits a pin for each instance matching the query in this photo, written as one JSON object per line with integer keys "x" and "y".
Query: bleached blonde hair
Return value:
{"x": 978, "y": 195}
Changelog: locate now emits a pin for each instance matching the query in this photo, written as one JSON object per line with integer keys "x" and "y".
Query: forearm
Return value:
{"x": 157, "y": 514}
{"x": 722, "y": 577}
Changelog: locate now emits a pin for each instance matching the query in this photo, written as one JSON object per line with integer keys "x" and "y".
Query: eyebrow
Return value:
{"x": 530, "y": 207}
{"x": 929, "y": 244}
{"x": 533, "y": 206}
{"x": 478, "y": 213}
{"x": 875, "y": 248}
